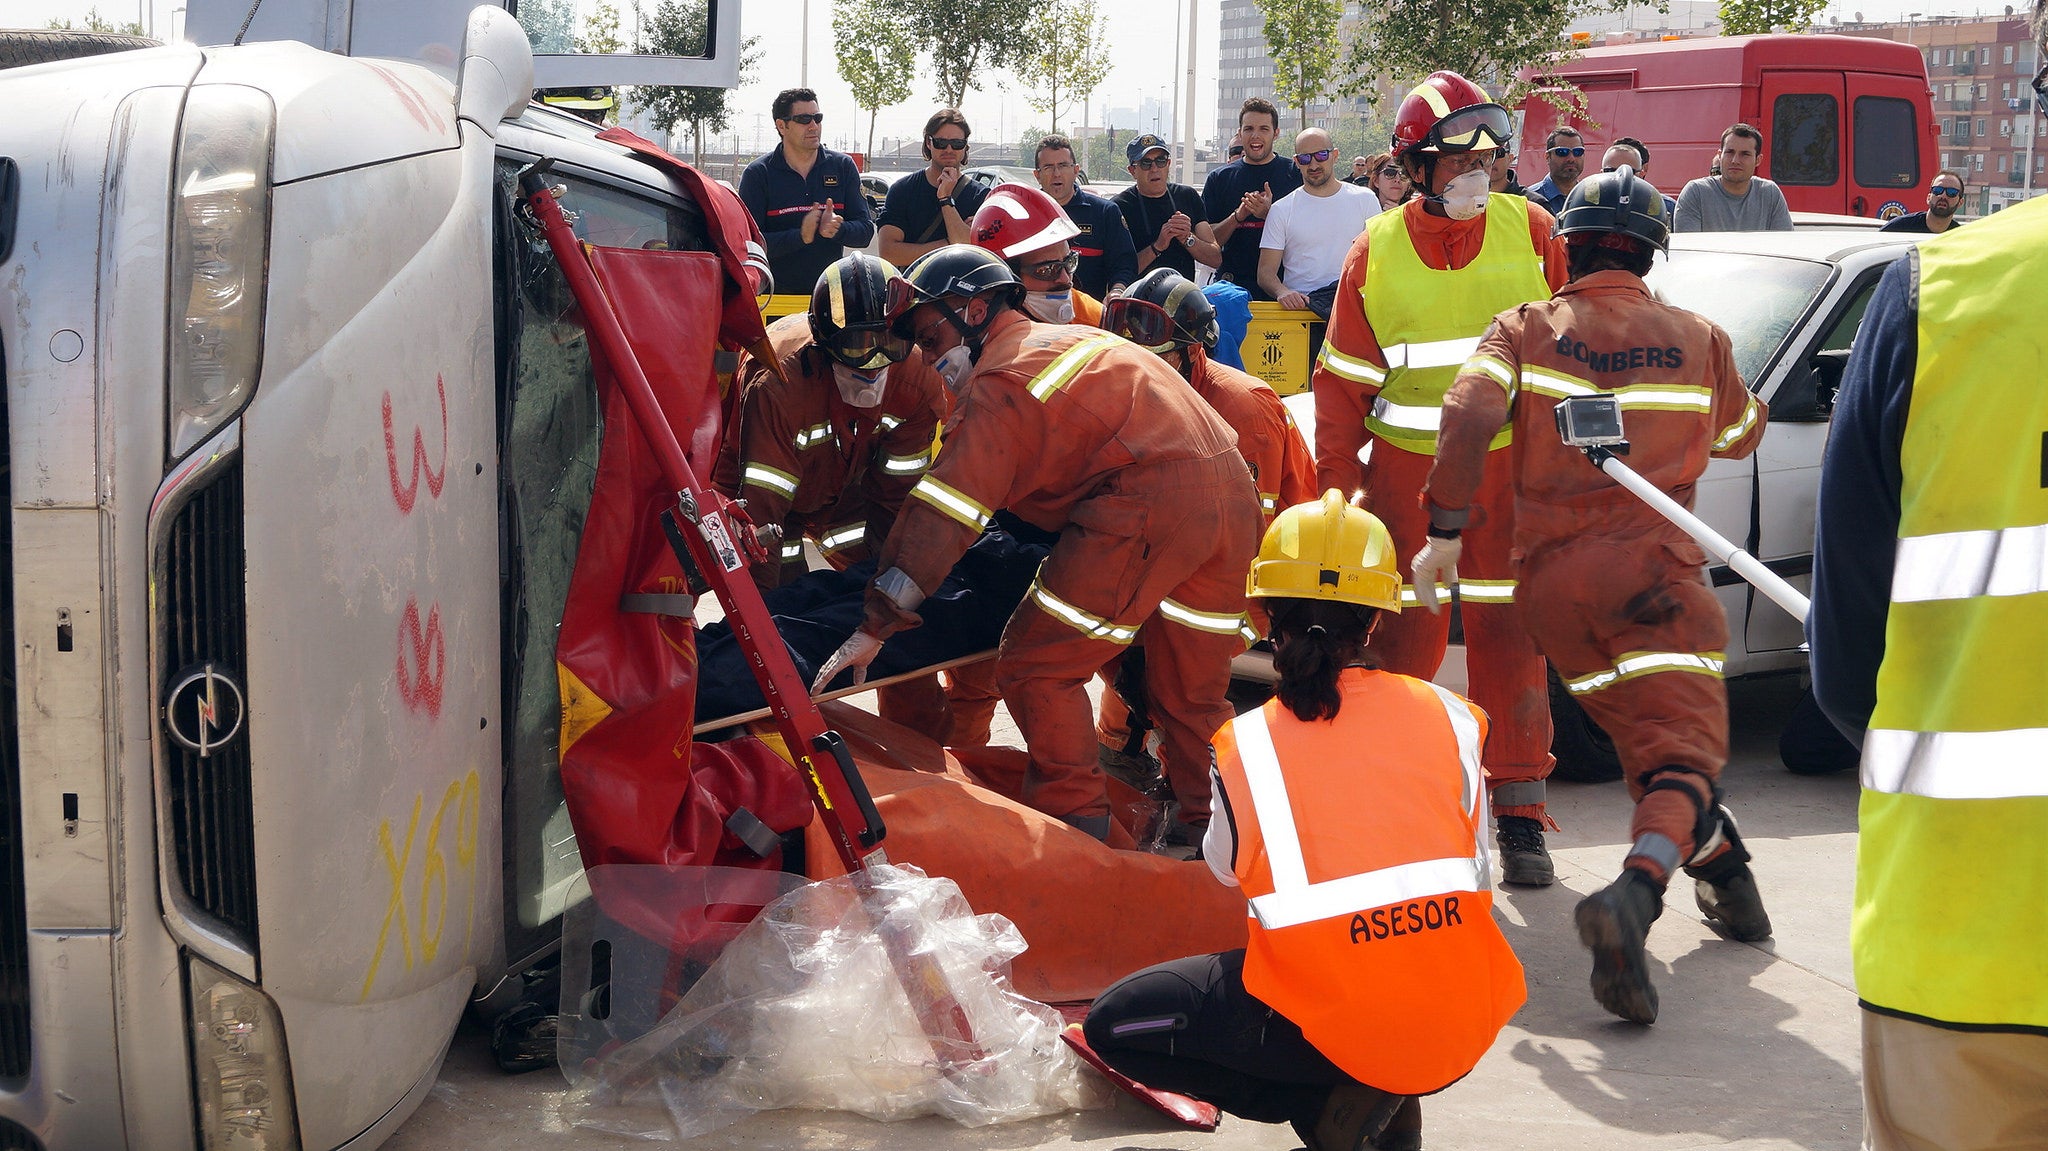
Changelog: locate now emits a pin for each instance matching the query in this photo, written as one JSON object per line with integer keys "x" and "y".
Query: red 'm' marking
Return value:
{"x": 415, "y": 104}
{"x": 422, "y": 659}
{"x": 404, "y": 495}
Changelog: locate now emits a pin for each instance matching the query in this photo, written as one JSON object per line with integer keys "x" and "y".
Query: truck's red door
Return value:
{"x": 1802, "y": 121}
{"x": 1890, "y": 137}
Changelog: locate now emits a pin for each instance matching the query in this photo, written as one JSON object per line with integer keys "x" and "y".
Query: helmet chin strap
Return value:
{"x": 970, "y": 334}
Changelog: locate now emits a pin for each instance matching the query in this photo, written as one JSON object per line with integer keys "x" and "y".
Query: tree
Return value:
{"x": 678, "y": 28}
{"x": 94, "y": 22}
{"x": 1754, "y": 17}
{"x": 600, "y": 36}
{"x": 1301, "y": 38}
{"x": 550, "y": 25}
{"x": 876, "y": 58}
{"x": 1486, "y": 41}
{"x": 1068, "y": 57}
{"x": 966, "y": 39}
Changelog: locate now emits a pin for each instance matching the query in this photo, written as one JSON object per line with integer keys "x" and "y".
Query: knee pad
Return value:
{"x": 1707, "y": 813}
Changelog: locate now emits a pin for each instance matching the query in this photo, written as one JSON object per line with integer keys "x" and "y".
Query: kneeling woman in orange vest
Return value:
{"x": 1352, "y": 812}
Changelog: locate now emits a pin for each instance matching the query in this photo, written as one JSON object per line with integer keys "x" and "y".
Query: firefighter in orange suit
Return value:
{"x": 1076, "y": 431}
{"x": 1352, "y": 813}
{"x": 1611, "y": 591}
{"x": 1418, "y": 288}
{"x": 1165, "y": 313}
{"x": 831, "y": 445}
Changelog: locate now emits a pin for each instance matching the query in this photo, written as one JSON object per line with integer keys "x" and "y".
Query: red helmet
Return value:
{"x": 1017, "y": 218}
{"x": 1448, "y": 113}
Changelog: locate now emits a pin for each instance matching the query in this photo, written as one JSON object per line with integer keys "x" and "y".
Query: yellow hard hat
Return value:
{"x": 1328, "y": 550}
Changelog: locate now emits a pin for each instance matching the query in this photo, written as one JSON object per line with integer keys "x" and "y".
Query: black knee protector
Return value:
{"x": 1707, "y": 815}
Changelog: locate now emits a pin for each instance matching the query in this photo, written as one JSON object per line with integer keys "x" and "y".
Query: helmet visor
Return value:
{"x": 1470, "y": 129}
{"x": 1142, "y": 322}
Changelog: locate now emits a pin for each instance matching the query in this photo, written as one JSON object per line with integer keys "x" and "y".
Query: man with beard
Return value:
{"x": 1943, "y": 198}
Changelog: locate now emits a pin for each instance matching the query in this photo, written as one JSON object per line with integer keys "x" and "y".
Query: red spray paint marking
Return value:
{"x": 421, "y": 676}
{"x": 404, "y": 495}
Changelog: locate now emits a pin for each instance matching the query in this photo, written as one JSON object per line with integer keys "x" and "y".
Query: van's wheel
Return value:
{"x": 23, "y": 46}
{"x": 1585, "y": 753}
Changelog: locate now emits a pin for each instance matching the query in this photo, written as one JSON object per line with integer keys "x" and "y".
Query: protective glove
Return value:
{"x": 857, "y": 652}
{"x": 1436, "y": 563}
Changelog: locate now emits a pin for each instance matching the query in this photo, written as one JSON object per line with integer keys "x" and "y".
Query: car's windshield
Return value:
{"x": 1755, "y": 298}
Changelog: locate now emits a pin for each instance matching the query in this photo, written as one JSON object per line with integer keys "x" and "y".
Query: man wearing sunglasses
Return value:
{"x": 1309, "y": 230}
{"x": 1566, "y": 151}
{"x": 1080, "y": 433}
{"x": 1165, "y": 218}
{"x": 1108, "y": 260}
{"x": 1418, "y": 289}
{"x": 805, "y": 196}
{"x": 1943, "y": 198}
{"x": 929, "y": 210}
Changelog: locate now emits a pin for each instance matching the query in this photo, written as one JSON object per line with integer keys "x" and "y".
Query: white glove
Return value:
{"x": 857, "y": 652}
{"x": 1436, "y": 563}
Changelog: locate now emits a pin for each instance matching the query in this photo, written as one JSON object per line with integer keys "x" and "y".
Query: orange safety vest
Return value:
{"x": 1361, "y": 845}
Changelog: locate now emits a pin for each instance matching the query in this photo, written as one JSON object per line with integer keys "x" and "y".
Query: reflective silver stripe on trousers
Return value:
{"x": 1294, "y": 900}
{"x": 2010, "y": 764}
{"x": 1431, "y": 353}
{"x": 1958, "y": 565}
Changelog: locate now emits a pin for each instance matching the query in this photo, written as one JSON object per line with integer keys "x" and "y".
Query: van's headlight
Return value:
{"x": 220, "y": 248}
{"x": 239, "y": 1067}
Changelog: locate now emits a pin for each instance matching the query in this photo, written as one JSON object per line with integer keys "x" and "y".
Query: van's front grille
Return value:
{"x": 14, "y": 1033}
{"x": 204, "y": 635}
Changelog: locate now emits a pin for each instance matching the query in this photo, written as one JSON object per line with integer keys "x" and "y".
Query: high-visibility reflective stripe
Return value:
{"x": 1410, "y": 416}
{"x": 1066, "y": 366}
{"x": 1269, "y": 501}
{"x": 1957, "y": 764}
{"x": 1248, "y": 633}
{"x": 1209, "y": 621}
{"x": 1550, "y": 383}
{"x": 1294, "y": 900}
{"x": 1408, "y": 597}
{"x": 1087, "y": 623}
{"x": 1638, "y": 397}
{"x": 1431, "y": 353}
{"x": 891, "y": 423}
{"x": 952, "y": 502}
{"x": 844, "y": 537}
{"x": 1352, "y": 368}
{"x": 770, "y": 478}
{"x": 792, "y": 552}
{"x": 1487, "y": 590}
{"x": 1495, "y": 367}
{"x": 1641, "y": 663}
{"x": 812, "y": 436}
{"x": 1958, "y": 565}
{"x": 906, "y": 465}
{"x": 1739, "y": 428}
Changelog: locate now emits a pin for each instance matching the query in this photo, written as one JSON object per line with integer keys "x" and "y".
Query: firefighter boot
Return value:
{"x": 1524, "y": 860}
{"x": 1724, "y": 887}
{"x": 1404, "y": 1131}
{"x": 1614, "y": 922}
{"x": 1352, "y": 1117}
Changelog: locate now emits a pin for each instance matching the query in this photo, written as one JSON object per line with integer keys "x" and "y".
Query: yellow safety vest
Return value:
{"x": 1952, "y": 861}
{"x": 1429, "y": 320}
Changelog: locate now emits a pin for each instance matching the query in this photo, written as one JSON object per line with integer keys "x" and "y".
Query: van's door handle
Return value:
{"x": 1858, "y": 205}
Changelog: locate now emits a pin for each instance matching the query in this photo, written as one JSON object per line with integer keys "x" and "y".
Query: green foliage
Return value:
{"x": 1398, "y": 42}
{"x": 1027, "y": 146}
{"x": 964, "y": 40}
{"x": 1068, "y": 57}
{"x": 550, "y": 25}
{"x": 94, "y": 22}
{"x": 600, "y": 35}
{"x": 1754, "y": 17}
{"x": 876, "y": 57}
{"x": 678, "y": 28}
{"x": 1301, "y": 37}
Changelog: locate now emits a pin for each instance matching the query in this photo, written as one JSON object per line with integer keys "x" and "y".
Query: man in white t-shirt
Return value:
{"x": 1309, "y": 230}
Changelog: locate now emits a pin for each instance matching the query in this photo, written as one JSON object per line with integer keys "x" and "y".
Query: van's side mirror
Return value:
{"x": 1827, "y": 378}
{"x": 1809, "y": 396}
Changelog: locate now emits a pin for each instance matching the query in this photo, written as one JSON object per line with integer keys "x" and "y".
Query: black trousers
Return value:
{"x": 1190, "y": 1026}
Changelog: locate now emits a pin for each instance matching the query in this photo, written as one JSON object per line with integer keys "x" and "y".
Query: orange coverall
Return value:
{"x": 1078, "y": 432}
{"x": 1506, "y": 673}
{"x": 1612, "y": 592}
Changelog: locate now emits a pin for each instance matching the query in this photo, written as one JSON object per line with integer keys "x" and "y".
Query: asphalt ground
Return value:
{"x": 1756, "y": 1045}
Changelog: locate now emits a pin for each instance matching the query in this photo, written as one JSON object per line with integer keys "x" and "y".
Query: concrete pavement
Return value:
{"x": 1756, "y": 1046}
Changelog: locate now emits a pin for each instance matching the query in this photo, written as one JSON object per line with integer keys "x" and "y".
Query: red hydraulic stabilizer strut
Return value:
{"x": 706, "y": 530}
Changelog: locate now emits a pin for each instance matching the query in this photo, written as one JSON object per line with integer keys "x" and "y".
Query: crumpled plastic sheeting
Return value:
{"x": 806, "y": 1009}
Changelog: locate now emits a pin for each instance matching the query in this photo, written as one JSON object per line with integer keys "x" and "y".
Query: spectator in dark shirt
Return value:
{"x": 1108, "y": 260}
{"x": 805, "y": 196}
{"x": 1500, "y": 173}
{"x": 1238, "y": 195}
{"x": 1943, "y": 198}
{"x": 1165, "y": 219}
{"x": 1361, "y": 172}
{"x": 927, "y": 210}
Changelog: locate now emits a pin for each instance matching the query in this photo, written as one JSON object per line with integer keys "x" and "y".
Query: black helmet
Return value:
{"x": 959, "y": 270}
{"x": 1161, "y": 312}
{"x": 852, "y": 307}
{"x": 1620, "y": 202}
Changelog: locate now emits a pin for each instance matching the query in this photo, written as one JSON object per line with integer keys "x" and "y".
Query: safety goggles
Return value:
{"x": 1471, "y": 128}
{"x": 947, "y": 144}
{"x": 1051, "y": 269}
{"x": 1937, "y": 190}
{"x": 867, "y": 349}
{"x": 1142, "y": 322}
{"x": 1561, "y": 153}
{"x": 1306, "y": 158}
{"x": 806, "y": 118}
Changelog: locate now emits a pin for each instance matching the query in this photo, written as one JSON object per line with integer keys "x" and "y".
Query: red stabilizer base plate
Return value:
{"x": 1179, "y": 1108}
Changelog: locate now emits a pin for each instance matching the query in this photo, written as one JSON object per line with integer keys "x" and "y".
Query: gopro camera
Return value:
{"x": 1590, "y": 421}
